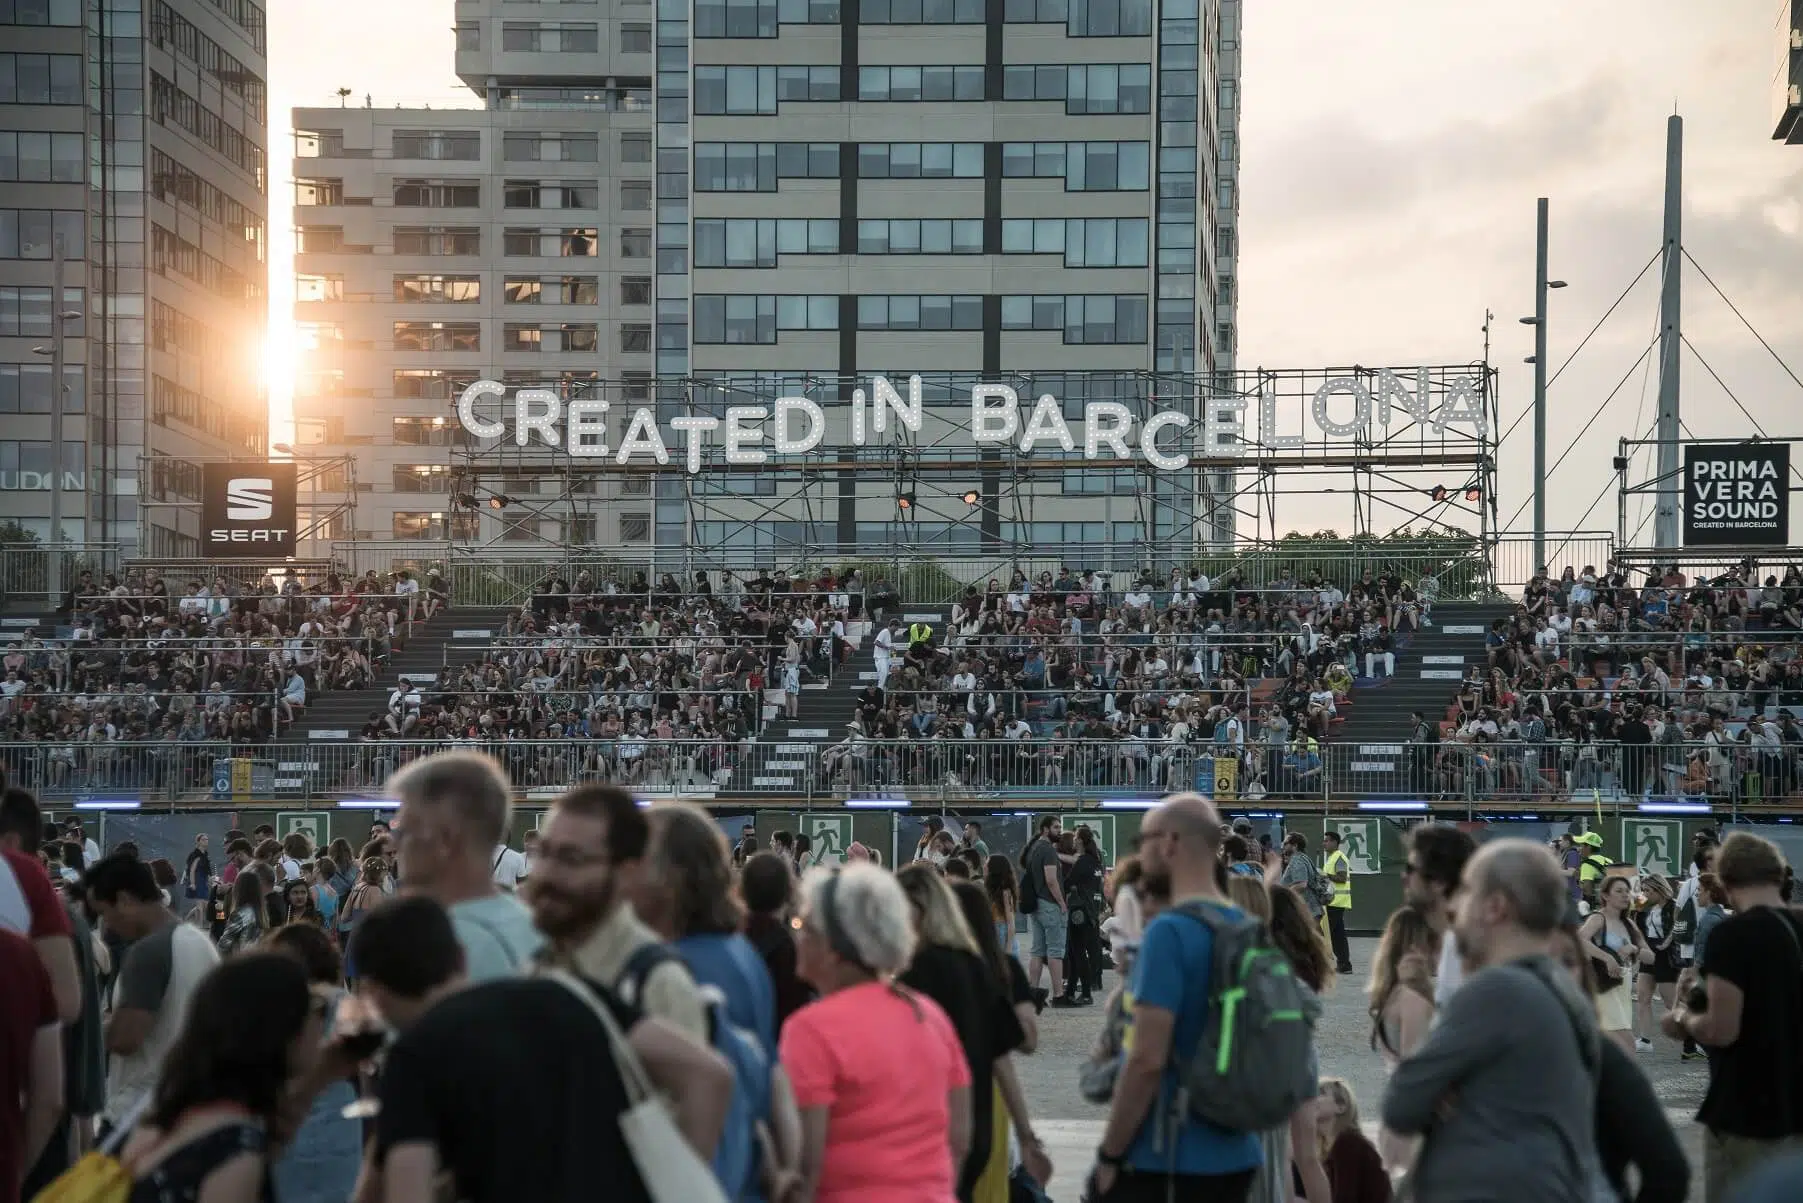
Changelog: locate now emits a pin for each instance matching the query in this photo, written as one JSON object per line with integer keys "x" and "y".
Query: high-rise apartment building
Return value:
{"x": 132, "y": 133}
{"x": 756, "y": 197}
{"x": 1788, "y": 82}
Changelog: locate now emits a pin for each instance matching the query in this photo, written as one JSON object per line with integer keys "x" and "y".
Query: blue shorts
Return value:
{"x": 1046, "y": 928}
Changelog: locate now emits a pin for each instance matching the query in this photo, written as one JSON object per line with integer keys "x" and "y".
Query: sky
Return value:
{"x": 1392, "y": 152}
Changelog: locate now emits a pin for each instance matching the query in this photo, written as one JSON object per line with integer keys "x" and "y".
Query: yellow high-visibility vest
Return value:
{"x": 919, "y": 632}
{"x": 1342, "y": 890}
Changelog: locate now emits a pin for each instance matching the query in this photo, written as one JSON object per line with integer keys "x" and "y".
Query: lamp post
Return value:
{"x": 1538, "y": 322}
{"x": 58, "y": 317}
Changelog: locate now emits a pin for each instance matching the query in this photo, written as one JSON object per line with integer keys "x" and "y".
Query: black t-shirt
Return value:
{"x": 514, "y": 1083}
{"x": 1084, "y": 877}
{"x": 987, "y": 1028}
{"x": 1756, "y": 1083}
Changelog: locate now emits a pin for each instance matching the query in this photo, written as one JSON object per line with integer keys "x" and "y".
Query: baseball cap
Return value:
{"x": 1592, "y": 838}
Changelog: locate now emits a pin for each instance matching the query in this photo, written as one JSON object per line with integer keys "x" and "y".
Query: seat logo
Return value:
{"x": 250, "y": 499}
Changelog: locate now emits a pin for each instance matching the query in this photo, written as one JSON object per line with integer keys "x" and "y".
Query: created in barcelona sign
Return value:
{"x": 248, "y": 510}
{"x": 1736, "y": 494}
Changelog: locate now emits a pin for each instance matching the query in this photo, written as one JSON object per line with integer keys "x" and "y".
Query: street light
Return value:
{"x": 1538, "y": 322}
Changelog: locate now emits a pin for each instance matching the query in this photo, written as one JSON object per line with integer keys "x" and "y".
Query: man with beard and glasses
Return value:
{"x": 510, "y": 1087}
{"x": 1153, "y": 1149}
{"x": 455, "y": 808}
{"x": 590, "y": 848}
{"x": 1503, "y": 1089}
{"x": 1430, "y": 877}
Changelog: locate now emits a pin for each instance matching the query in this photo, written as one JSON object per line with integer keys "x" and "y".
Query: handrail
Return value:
{"x": 1552, "y": 774}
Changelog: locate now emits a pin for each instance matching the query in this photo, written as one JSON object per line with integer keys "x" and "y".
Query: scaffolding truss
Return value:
{"x": 937, "y": 491}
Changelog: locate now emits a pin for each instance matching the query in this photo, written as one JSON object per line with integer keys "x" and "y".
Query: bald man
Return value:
{"x": 1516, "y": 1046}
{"x": 1151, "y": 1149}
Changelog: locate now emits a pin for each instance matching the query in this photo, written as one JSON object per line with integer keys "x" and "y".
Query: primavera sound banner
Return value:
{"x": 1737, "y": 495}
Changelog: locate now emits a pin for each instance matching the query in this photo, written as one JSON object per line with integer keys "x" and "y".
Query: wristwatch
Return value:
{"x": 1111, "y": 1160}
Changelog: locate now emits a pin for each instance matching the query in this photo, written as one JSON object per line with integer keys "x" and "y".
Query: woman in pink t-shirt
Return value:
{"x": 878, "y": 1072}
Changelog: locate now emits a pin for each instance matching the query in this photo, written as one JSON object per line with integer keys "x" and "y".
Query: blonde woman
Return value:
{"x": 947, "y": 968}
{"x": 1401, "y": 997}
{"x": 1355, "y": 1172}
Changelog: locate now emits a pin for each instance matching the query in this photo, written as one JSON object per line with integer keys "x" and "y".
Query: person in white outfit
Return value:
{"x": 885, "y": 652}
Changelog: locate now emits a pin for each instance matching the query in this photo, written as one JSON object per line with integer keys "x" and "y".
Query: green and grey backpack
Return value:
{"x": 1255, "y": 1062}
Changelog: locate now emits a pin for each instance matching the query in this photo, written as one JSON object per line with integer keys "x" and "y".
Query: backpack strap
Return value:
{"x": 638, "y": 970}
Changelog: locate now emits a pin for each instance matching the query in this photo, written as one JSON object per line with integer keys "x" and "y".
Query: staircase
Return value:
{"x": 340, "y": 714}
{"x": 783, "y": 757}
{"x": 1428, "y": 672}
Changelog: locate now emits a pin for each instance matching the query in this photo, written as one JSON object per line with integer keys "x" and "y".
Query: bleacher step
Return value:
{"x": 1442, "y": 674}
{"x": 1442, "y": 659}
{"x": 1463, "y": 628}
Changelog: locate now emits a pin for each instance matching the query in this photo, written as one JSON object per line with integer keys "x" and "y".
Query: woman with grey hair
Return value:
{"x": 877, "y": 1069}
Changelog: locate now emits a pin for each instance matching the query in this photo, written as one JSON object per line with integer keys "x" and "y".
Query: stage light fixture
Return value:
{"x": 972, "y": 498}
{"x": 1439, "y": 492}
{"x": 904, "y": 501}
{"x": 1474, "y": 494}
{"x": 467, "y": 501}
{"x": 500, "y": 501}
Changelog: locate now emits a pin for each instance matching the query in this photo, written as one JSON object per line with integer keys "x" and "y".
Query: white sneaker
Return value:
{"x": 1642, "y": 1044}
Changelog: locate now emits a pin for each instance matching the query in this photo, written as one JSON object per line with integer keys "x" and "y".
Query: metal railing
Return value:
{"x": 1478, "y": 776}
{"x": 36, "y": 574}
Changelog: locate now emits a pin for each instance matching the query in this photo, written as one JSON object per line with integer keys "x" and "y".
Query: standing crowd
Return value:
{"x": 630, "y": 1010}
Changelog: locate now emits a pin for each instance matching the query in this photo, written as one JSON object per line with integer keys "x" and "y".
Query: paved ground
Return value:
{"x": 1071, "y": 1127}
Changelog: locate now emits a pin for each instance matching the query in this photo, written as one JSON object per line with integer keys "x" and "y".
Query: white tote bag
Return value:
{"x": 670, "y": 1169}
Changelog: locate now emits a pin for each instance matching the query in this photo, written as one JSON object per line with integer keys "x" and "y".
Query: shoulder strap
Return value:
{"x": 638, "y": 969}
{"x": 1587, "y": 1038}
{"x": 498, "y": 856}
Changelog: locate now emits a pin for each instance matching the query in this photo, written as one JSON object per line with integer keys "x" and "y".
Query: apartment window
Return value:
{"x": 1083, "y": 166}
{"x": 635, "y": 38}
{"x": 920, "y": 313}
{"x": 41, "y": 12}
{"x": 437, "y": 194}
{"x": 25, "y": 388}
{"x": 566, "y": 336}
{"x": 439, "y": 431}
{"x": 316, "y": 287}
{"x": 438, "y": 336}
{"x": 421, "y": 478}
{"x": 521, "y": 338}
{"x": 522, "y": 292}
{"x": 920, "y": 83}
{"x": 550, "y": 147}
{"x": 635, "y": 148}
{"x": 920, "y": 12}
{"x": 454, "y": 290}
{"x": 635, "y": 290}
{"x": 39, "y": 78}
{"x": 459, "y": 525}
{"x": 28, "y": 466}
{"x": 635, "y": 528}
{"x": 579, "y": 243}
{"x": 1094, "y": 88}
{"x": 1083, "y": 241}
{"x": 635, "y": 244}
{"x": 635, "y": 339}
{"x": 458, "y": 145}
{"x": 444, "y": 241}
{"x": 746, "y": 91}
{"x": 921, "y": 236}
{"x": 551, "y": 37}
{"x": 1091, "y": 320}
{"x": 469, "y": 35}
{"x": 578, "y": 290}
{"x": 550, "y": 194}
{"x": 32, "y": 233}
{"x": 760, "y": 18}
{"x": 756, "y": 242}
{"x": 757, "y": 166}
{"x": 920, "y": 160}
{"x": 1086, "y": 18}
{"x": 42, "y": 158}
{"x": 635, "y": 196}
{"x": 757, "y": 319}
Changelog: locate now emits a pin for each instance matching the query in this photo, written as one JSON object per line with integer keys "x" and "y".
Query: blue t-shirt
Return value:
{"x": 1172, "y": 973}
{"x": 732, "y": 966}
{"x": 497, "y": 935}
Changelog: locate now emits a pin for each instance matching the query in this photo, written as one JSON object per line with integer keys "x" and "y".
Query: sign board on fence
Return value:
{"x": 1736, "y": 494}
{"x": 311, "y": 823}
{"x": 1101, "y": 824}
{"x": 1653, "y": 845}
{"x": 1218, "y": 777}
{"x": 241, "y": 777}
{"x": 1361, "y": 841}
{"x": 828, "y": 836}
